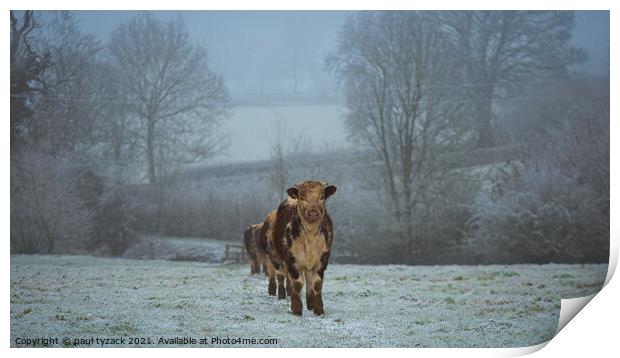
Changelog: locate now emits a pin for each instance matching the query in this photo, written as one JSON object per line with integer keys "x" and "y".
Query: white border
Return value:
{"x": 594, "y": 330}
{"x": 313, "y": 5}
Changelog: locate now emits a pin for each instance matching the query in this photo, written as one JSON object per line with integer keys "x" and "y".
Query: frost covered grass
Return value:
{"x": 366, "y": 306}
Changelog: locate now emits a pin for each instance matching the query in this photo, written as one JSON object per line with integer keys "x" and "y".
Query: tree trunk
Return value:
{"x": 485, "y": 114}
{"x": 409, "y": 255}
{"x": 150, "y": 149}
{"x": 117, "y": 142}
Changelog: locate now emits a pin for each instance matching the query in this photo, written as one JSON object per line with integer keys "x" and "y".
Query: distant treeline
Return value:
{"x": 502, "y": 210}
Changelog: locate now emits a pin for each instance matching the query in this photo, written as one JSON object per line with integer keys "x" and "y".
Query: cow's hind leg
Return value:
{"x": 281, "y": 290}
{"x": 288, "y": 287}
{"x": 272, "y": 280}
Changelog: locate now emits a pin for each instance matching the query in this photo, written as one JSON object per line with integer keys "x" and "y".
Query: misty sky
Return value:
{"x": 275, "y": 52}
{"x": 254, "y": 50}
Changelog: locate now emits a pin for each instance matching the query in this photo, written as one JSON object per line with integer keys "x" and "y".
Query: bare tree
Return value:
{"x": 178, "y": 100}
{"x": 117, "y": 133}
{"x": 57, "y": 107}
{"x": 279, "y": 175}
{"x": 27, "y": 67}
{"x": 398, "y": 78}
{"x": 66, "y": 110}
{"x": 500, "y": 47}
{"x": 52, "y": 66}
{"x": 284, "y": 145}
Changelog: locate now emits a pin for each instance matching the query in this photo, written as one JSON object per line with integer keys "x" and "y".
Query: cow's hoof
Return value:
{"x": 309, "y": 302}
{"x": 297, "y": 310}
{"x": 296, "y": 306}
{"x": 319, "y": 311}
{"x": 272, "y": 290}
{"x": 281, "y": 295}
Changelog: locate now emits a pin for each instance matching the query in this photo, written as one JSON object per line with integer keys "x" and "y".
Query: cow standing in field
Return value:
{"x": 249, "y": 239}
{"x": 301, "y": 235}
{"x": 274, "y": 268}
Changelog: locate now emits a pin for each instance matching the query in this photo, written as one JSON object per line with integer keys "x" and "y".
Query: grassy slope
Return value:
{"x": 430, "y": 306}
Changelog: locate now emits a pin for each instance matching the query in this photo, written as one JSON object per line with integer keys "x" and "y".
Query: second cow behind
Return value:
{"x": 274, "y": 268}
{"x": 300, "y": 238}
{"x": 250, "y": 240}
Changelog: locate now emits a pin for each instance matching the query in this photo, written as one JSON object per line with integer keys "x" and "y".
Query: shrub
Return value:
{"x": 540, "y": 216}
{"x": 47, "y": 213}
{"x": 114, "y": 221}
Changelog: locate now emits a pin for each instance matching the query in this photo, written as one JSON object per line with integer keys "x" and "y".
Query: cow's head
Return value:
{"x": 311, "y": 196}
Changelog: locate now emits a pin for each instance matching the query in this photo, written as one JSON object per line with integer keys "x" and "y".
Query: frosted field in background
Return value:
{"x": 250, "y": 128}
{"x": 366, "y": 306}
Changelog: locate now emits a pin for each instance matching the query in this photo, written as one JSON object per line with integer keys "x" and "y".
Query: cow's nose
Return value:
{"x": 313, "y": 213}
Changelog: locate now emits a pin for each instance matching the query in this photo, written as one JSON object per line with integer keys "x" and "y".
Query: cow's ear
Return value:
{"x": 292, "y": 192}
{"x": 330, "y": 190}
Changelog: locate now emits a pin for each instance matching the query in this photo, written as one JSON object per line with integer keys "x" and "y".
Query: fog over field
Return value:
{"x": 252, "y": 129}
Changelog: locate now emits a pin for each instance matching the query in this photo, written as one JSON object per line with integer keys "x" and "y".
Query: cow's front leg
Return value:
{"x": 317, "y": 285}
{"x": 315, "y": 299}
{"x": 297, "y": 283}
{"x": 288, "y": 287}
{"x": 309, "y": 290}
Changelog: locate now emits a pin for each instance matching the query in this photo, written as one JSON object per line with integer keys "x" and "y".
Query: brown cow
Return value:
{"x": 274, "y": 267}
{"x": 249, "y": 240}
{"x": 301, "y": 237}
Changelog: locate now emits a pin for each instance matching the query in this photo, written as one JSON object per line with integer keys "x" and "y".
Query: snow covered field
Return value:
{"x": 366, "y": 306}
{"x": 177, "y": 249}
